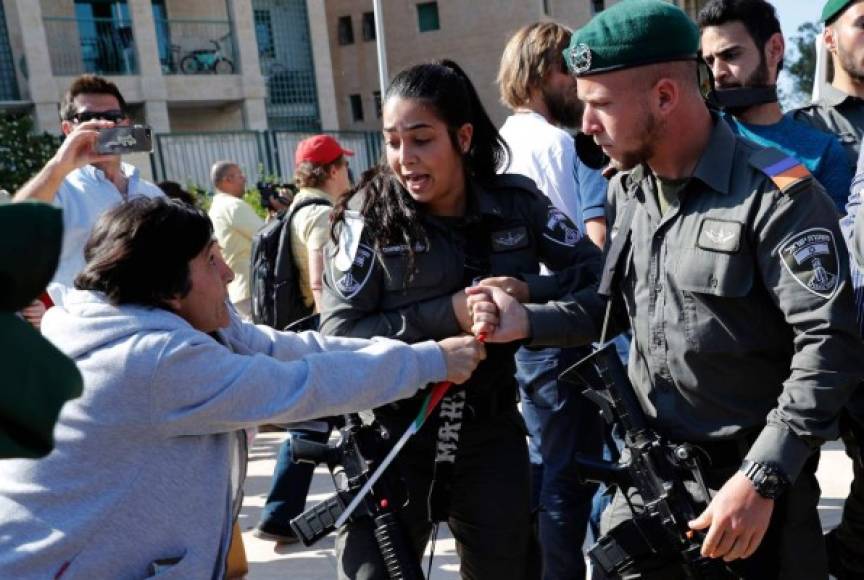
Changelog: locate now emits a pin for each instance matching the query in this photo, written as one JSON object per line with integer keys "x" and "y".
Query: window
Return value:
{"x": 368, "y": 26}
{"x": 546, "y": 7}
{"x": 376, "y": 96}
{"x": 346, "y": 30}
{"x": 356, "y": 108}
{"x": 264, "y": 34}
{"x": 427, "y": 16}
{"x": 105, "y": 35}
{"x": 598, "y": 6}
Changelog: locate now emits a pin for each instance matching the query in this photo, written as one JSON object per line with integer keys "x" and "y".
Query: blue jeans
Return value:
{"x": 291, "y": 481}
{"x": 561, "y": 422}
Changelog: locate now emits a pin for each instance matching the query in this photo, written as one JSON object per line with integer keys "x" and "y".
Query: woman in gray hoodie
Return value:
{"x": 140, "y": 479}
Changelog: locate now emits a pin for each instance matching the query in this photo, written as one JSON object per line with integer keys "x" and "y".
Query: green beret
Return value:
{"x": 833, "y": 8}
{"x": 632, "y": 33}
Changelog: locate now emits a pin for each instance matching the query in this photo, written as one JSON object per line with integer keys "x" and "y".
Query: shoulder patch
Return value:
{"x": 350, "y": 283}
{"x": 559, "y": 229}
{"x": 349, "y": 240}
{"x": 784, "y": 171}
{"x": 811, "y": 259}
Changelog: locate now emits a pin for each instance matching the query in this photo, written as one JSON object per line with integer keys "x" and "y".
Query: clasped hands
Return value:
{"x": 494, "y": 307}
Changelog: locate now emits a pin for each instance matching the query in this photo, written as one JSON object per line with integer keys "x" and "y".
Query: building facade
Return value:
{"x": 228, "y": 65}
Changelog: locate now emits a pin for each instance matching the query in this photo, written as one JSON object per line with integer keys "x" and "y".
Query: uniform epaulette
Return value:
{"x": 785, "y": 171}
{"x": 515, "y": 181}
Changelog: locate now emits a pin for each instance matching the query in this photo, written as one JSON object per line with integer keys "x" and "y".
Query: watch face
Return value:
{"x": 771, "y": 484}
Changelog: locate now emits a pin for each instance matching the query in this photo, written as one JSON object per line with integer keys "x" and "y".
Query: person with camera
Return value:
{"x": 141, "y": 481}
{"x": 321, "y": 174}
{"x": 727, "y": 262}
{"x": 80, "y": 181}
{"x": 438, "y": 217}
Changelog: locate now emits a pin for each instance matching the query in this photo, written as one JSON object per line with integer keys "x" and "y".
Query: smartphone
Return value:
{"x": 124, "y": 139}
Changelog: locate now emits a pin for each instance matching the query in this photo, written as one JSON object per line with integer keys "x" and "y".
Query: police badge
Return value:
{"x": 578, "y": 59}
{"x": 811, "y": 258}
{"x": 349, "y": 283}
{"x": 560, "y": 229}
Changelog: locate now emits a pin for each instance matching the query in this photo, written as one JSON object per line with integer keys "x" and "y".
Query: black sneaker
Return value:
{"x": 272, "y": 534}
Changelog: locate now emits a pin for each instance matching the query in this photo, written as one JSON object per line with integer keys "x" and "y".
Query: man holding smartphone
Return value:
{"x": 79, "y": 180}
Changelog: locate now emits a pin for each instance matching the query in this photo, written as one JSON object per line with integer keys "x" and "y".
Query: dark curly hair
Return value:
{"x": 139, "y": 251}
{"x": 389, "y": 212}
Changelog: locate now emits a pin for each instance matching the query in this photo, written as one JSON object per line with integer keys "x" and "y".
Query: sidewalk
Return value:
{"x": 270, "y": 562}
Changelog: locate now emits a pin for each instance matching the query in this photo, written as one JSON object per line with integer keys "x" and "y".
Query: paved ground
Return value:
{"x": 267, "y": 561}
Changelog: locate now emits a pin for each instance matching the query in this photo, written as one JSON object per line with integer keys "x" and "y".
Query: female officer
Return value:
{"x": 407, "y": 241}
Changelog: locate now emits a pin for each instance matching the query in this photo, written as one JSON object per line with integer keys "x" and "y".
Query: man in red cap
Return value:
{"x": 321, "y": 173}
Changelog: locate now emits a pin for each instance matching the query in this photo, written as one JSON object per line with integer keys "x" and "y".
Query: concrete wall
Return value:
{"x": 199, "y": 119}
{"x": 472, "y": 33}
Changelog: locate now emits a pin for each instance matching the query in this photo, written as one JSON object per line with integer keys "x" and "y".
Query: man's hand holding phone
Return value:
{"x": 79, "y": 147}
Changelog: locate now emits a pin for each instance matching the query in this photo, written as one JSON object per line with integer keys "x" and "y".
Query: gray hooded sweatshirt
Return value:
{"x": 142, "y": 463}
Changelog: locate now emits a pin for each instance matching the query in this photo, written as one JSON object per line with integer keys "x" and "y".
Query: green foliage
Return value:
{"x": 204, "y": 198}
{"x": 22, "y": 154}
{"x": 801, "y": 67}
{"x": 253, "y": 198}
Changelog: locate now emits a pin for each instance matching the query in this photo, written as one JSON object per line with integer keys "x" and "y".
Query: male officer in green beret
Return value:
{"x": 733, "y": 277}
{"x": 841, "y": 108}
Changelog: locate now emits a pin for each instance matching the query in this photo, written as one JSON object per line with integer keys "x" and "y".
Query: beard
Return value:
{"x": 563, "y": 111}
{"x": 847, "y": 62}
{"x": 649, "y": 130}
{"x": 758, "y": 78}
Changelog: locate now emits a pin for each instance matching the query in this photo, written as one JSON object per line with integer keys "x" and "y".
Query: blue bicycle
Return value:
{"x": 208, "y": 60}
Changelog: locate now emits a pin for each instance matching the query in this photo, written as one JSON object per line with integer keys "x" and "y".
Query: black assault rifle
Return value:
{"x": 657, "y": 535}
{"x": 351, "y": 460}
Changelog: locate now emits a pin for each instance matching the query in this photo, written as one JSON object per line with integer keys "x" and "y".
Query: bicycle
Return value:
{"x": 208, "y": 60}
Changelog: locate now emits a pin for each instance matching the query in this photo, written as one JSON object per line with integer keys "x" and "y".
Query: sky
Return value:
{"x": 792, "y": 14}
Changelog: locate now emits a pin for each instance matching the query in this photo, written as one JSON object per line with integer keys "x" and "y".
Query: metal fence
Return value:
{"x": 196, "y": 46}
{"x": 91, "y": 45}
{"x": 186, "y": 157}
{"x": 8, "y": 81}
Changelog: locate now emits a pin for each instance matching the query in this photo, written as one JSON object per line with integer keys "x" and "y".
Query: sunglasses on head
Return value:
{"x": 114, "y": 115}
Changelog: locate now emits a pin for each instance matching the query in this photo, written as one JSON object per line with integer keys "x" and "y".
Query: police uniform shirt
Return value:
{"x": 839, "y": 114}
{"x": 368, "y": 292}
{"x": 739, "y": 302}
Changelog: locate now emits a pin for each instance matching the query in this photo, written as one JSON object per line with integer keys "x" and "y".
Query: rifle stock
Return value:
{"x": 351, "y": 460}
{"x": 658, "y": 535}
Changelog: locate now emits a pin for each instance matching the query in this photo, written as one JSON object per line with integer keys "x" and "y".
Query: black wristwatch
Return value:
{"x": 768, "y": 480}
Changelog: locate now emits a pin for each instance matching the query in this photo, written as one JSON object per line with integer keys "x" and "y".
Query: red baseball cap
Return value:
{"x": 320, "y": 149}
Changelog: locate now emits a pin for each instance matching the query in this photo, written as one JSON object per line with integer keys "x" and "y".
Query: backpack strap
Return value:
{"x": 284, "y": 259}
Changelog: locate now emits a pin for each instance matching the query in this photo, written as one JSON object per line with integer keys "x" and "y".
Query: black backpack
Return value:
{"x": 276, "y": 297}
